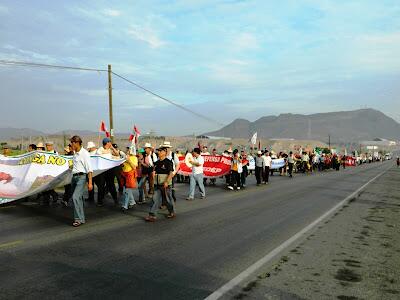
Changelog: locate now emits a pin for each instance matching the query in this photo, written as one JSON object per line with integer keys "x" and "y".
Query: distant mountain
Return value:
{"x": 8, "y": 133}
{"x": 343, "y": 126}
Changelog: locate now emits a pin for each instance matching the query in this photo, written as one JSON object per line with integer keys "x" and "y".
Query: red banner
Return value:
{"x": 214, "y": 166}
{"x": 350, "y": 161}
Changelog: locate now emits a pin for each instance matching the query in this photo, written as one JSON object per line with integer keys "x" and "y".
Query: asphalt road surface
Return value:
{"x": 119, "y": 256}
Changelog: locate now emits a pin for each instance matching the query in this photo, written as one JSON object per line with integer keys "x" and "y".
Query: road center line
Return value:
{"x": 11, "y": 244}
{"x": 258, "y": 264}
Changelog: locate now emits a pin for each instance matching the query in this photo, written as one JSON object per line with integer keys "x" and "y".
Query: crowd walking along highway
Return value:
{"x": 148, "y": 175}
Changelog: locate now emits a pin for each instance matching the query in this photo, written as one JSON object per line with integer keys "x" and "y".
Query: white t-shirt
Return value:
{"x": 81, "y": 162}
{"x": 199, "y": 169}
{"x": 267, "y": 161}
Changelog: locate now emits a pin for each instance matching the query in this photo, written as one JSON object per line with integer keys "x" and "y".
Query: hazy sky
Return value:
{"x": 224, "y": 59}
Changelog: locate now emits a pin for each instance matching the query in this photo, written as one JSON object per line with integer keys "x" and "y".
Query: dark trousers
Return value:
{"x": 97, "y": 182}
{"x": 266, "y": 174}
{"x": 259, "y": 174}
{"x": 290, "y": 171}
{"x": 235, "y": 178}
{"x": 243, "y": 176}
{"x": 106, "y": 184}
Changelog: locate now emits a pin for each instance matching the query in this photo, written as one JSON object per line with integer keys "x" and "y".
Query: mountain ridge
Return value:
{"x": 343, "y": 126}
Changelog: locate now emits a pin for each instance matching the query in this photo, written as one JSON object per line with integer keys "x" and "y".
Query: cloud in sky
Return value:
{"x": 250, "y": 58}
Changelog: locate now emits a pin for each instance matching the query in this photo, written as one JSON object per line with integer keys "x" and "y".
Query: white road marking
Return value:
{"x": 258, "y": 264}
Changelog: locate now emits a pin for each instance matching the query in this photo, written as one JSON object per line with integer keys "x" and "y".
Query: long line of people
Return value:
{"x": 151, "y": 173}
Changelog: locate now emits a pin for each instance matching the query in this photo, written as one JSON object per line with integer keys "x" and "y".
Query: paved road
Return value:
{"x": 120, "y": 256}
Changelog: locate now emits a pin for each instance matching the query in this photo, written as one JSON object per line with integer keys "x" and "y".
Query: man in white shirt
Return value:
{"x": 197, "y": 174}
{"x": 80, "y": 169}
{"x": 267, "y": 165}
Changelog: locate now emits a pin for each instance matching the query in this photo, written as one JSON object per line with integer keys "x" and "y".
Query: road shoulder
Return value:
{"x": 353, "y": 255}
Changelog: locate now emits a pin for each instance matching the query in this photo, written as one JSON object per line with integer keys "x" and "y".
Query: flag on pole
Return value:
{"x": 103, "y": 128}
{"x": 254, "y": 139}
{"x": 259, "y": 144}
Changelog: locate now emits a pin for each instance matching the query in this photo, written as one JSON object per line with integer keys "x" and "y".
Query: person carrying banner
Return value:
{"x": 50, "y": 193}
{"x": 245, "y": 172}
{"x": 214, "y": 180}
{"x": 92, "y": 149}
{"x": 80, "y": 169}
{"x": 197, "y": 174}
{"x": 163, "y": 173}
{"x": 106, "y": 179}
{"x": 236, "y": 170}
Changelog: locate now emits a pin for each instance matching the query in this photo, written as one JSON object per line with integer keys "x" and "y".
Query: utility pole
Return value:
{"x": 110, "y": 103}
{"x": 329, "y": 141}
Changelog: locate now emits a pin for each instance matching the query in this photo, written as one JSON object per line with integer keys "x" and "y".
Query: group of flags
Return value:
{"x": 133, "y": 138}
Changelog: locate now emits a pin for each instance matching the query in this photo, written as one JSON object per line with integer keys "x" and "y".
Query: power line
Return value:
{"x": 31, "y": 64}
{"x": 169, "y": 101}
{"x": 40, "y": 65}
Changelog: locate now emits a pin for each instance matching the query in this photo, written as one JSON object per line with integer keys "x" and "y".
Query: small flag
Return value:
{"x": 254, "y": 139}
{"x": 103, "y": 128}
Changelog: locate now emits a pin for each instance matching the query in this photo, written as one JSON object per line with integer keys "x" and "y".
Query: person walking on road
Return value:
{"x": 163, "y": 173}
{"x": 80, "y": 169}
{"x": 259, "y": 167}
{"x": 290, "y": 163}
{"x": 197, "y": 175}
{"x": 267, "y": 165}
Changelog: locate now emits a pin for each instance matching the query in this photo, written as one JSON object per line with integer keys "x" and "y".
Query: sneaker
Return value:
{"x": 150, "y": 218}
{"x": 100, "y": 204}
{"x": 230, "y": 187}
{"x": 64, "y": 203}
{"x": 238, "y": 188}
{"x": 123, "y": 209}
{"x": 203, "y": 197}
{"x": 189, "y": 199}
{"x": 131, "y": 206}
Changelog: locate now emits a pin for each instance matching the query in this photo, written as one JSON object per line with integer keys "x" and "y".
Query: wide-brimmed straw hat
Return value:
{"x": 147, "y": 145}
{"x": 40, "y": 145}
{"x": 166, "y": 145}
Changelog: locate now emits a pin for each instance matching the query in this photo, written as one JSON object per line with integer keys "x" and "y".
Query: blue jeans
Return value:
{"x": 78, "y": 187}
{"x": 196, "y": 178}
{"x": 157, "y": 200}
{"x": 141, "y": 183}
{"x": 127, "y": 198}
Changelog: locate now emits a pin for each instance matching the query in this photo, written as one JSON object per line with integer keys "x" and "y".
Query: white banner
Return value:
{"x": 31, "y": 173}
{"x": 277, "y": 163}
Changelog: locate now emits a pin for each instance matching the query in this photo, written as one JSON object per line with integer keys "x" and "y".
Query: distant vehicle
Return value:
{"x": 388, "y": 156}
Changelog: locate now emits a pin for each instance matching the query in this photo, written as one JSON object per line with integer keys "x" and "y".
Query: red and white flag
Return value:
{"x": 135, "y": 135}
{"x": 103, "y": 128}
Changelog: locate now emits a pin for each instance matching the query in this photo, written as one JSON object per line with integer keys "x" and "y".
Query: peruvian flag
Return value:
{"x": 135, "y": 135}
{"x": 103, "y": 128}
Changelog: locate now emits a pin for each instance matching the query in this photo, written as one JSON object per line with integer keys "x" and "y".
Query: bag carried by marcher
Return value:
{"x": 161, "y": 178}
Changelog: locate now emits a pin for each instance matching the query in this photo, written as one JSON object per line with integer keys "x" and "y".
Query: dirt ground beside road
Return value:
{"x": 353, "y": 255}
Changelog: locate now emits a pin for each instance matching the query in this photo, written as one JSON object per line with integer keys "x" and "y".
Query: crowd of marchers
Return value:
{"x": 149, "y": 174}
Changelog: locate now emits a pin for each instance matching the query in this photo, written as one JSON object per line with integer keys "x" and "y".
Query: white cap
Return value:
{"x": 90, "y": 145}
{"x": 147, "y": 145}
